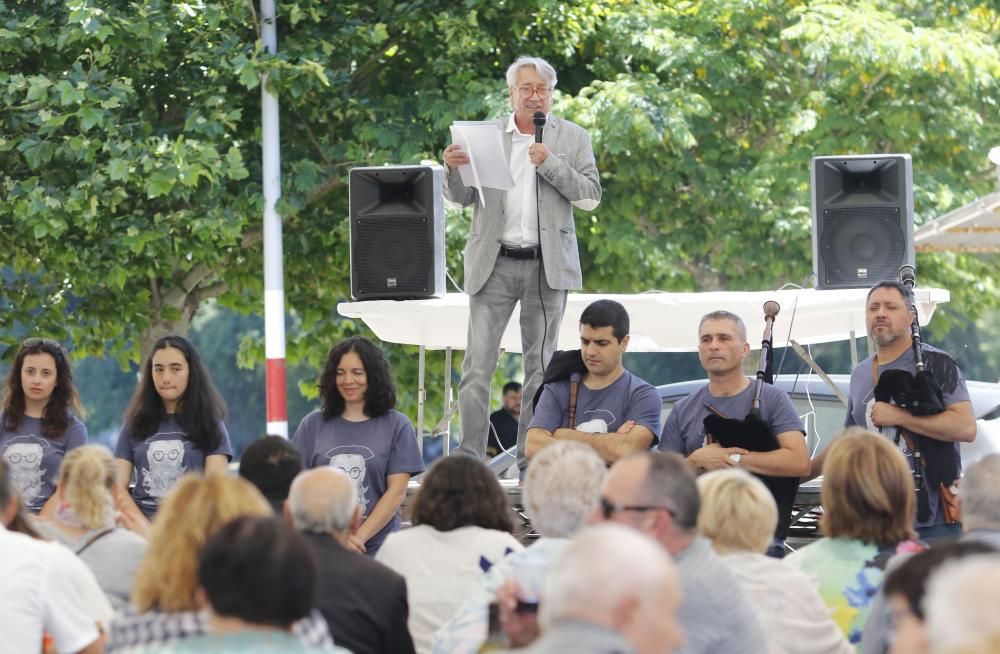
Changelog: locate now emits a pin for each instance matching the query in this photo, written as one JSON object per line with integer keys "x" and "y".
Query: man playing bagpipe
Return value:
{"x": 773, "y": 440}
{"x": 588, "y": 396}
{"x": 927, "y": 413}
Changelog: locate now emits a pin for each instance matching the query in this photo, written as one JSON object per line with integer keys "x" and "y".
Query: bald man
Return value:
{"x": 363, "y": 601}
{"x": 613, "y": 589}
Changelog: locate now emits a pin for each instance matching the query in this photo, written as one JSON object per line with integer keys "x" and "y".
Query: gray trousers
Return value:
{"x": 490, "y": 309}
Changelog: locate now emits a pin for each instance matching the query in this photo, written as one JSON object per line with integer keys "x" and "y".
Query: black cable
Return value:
{"x": 541, "y": 266}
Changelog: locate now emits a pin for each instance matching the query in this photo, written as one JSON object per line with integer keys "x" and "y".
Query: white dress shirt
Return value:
{"x": 521, "y": 208}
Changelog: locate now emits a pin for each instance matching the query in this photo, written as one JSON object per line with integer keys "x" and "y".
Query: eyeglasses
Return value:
{"x": 44, "y": 342}
{"x": 609, "y": 508}
{"x": 527, "y": 91}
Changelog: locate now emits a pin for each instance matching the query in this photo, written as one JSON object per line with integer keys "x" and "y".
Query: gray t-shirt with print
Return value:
{"x": 162, "y": 458}
{"x": 34, "y": 460}
{"x": 684, "y": 431}
{"x": 601, "y": 411}
{"x": 861, "y": 398}
{"x": 368, "y": 451}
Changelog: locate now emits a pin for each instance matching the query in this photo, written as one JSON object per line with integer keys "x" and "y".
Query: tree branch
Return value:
{"x": 302, "y": 122}
{"x": 871, "y": 89}
{"x": 326, "y": 187}
{"x": 369, "y": 67}
{"x": 213, "y": 290}
{"x": 178, "y": 294}
{"x": 252, "y": 237}
{"x": 256, "y": 23}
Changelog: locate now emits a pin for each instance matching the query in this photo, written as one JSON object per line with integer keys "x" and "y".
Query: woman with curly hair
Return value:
{"x": 358, "y": 431}
{"x": 173, "y": 425}
{"x": 164, "y": 605}
{"x": 462, "y": 526}
{"x": 38, "y": 420}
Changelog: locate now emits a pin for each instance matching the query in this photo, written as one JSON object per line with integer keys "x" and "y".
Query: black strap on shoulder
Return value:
{"x": 94, "y": 538}
{"x": 563, "y": 364}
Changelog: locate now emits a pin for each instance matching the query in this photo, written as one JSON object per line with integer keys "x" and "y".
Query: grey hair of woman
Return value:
{"x": 562, "y": 487}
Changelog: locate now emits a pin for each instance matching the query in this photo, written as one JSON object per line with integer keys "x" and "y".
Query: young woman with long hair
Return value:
{"x": 173, "y": 424}
{"x": 359, "y": 431}
{"x": 39, "y": 420}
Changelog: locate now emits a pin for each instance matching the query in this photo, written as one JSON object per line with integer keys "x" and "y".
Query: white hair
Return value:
{"x": 980, "y": 494}
{"x": 543, "y": 67}
{"x": 562, "y": 487}
{"x": 604, "y": 565}
{"x": 961, "y": 602}
{"x": 322, "y": 500}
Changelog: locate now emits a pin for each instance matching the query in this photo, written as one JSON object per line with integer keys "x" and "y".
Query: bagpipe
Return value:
{"x": 921, "y": 395}
{"x": 752, "y": 433}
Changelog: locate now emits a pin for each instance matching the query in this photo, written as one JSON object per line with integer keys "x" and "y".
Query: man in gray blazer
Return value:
{"x": 522, "y": 244}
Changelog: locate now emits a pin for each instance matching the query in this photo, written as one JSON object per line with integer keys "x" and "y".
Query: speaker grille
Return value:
{"x": 392, "y": 255}
{"x": 862, "y": 245}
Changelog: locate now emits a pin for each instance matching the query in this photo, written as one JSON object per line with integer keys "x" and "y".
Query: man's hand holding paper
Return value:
{"x": 485, "y": 162}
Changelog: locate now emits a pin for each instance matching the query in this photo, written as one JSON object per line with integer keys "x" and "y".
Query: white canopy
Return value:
{"x": 660, "y": 322}
{"x": 974, "y": 227}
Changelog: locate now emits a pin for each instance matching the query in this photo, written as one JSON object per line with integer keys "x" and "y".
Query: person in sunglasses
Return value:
{"x": 39, "y": 420}
{"x": 656, "y": 493}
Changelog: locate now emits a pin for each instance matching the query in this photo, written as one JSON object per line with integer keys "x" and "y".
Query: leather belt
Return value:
{"x": 521, "y": 254}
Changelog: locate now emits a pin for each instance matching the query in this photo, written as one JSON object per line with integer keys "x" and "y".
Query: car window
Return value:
{"x": 822, "y": 417}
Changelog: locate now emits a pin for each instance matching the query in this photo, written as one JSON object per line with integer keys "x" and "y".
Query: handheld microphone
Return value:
{"x": 907, "y": 275}
{"x": 539, "y": 120}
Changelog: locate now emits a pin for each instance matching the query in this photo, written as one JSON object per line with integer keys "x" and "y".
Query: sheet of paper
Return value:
{"x": 488, "y": 165}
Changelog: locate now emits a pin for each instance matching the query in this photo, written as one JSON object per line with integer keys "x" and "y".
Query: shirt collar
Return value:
{"x": 512, "y": 126}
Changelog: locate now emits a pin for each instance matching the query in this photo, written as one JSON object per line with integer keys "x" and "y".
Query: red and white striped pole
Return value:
{"x": 274, "y": 273}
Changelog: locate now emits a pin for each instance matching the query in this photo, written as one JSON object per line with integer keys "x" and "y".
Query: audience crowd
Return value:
{"x": 159, "y": 548}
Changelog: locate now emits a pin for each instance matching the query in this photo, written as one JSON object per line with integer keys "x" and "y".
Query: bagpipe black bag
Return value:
{"x": 562, "y": 365}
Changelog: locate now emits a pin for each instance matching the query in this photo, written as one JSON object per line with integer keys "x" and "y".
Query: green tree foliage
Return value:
{"x": 129, "y": 132}
{"x": 126, "y": 199}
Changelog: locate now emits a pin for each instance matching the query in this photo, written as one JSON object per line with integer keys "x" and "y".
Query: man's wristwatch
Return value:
{"x": 735, "y": 458}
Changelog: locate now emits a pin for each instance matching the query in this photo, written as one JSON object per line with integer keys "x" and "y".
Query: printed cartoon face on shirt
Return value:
{"x": 25, "y": 462}
{"x": 890, "y": 431}
{"x": 165, "y": 461}
{"x": 352, "y": 460}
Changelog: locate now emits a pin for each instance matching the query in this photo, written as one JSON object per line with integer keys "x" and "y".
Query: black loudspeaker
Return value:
{"x": 862, "y": 208}
{"x": 397, "y": 233}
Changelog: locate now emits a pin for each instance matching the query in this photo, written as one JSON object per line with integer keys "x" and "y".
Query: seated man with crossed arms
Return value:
{"x": 616, "y": 412}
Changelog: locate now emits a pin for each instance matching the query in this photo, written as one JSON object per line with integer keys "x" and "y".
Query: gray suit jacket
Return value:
{"x": 568, "y": 178}
{"x": 570, "y": 636}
